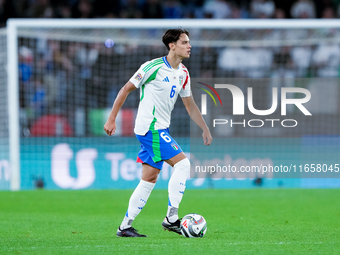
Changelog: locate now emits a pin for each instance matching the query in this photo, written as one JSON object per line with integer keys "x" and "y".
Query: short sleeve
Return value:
{"x": 185, "y": 91}
{"x": 140, "y": 77}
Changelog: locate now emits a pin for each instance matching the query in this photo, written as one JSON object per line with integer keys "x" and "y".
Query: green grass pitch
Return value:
{"x": 254, "y": 221}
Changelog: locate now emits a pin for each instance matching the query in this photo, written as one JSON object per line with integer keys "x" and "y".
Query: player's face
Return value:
{"x": 182, "y": 46}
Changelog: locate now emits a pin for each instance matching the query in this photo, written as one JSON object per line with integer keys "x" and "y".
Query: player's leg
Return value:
{"x": 177, "y": 183}
{"x": 138, "y": 200}
{"x": 160, "y": 146}
{"x": 176, "y": 189}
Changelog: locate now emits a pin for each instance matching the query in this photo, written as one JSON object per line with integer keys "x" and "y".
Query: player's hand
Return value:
{"x": 110, "y": 127}
{"x": 207, "y": 138}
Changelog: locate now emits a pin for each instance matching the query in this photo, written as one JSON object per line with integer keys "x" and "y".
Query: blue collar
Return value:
{"x": 166, "y": 62}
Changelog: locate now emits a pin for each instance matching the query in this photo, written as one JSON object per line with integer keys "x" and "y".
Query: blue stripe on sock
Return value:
{"x": 169, "y": 204}
{"x": 126, "y": 214}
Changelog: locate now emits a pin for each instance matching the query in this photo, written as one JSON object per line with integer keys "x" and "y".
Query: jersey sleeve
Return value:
{"x": 185, "y": 91}
{"x": 140, "y": 77}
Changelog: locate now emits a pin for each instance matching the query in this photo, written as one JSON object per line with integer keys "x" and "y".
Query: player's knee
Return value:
{"x": 150, "y": 177}
{"x": 183, "y": 165}
{"x": 150, "y": 173}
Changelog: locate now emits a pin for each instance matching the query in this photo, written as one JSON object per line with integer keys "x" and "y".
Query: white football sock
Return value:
{"x": 176, "y": 188}
{"x": 137, "y": 201}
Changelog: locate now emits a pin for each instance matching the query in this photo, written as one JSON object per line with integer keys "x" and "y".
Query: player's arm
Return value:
{"x": 196, "y": 116}
{"x": 110, "y": 125}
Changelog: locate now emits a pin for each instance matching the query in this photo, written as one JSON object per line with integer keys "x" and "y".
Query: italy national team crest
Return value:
{"x": 180, "y": 80}
{"x": 174, "y": 146}
{"x": 138, "y": 77}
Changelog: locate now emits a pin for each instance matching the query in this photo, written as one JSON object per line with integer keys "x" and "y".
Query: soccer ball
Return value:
{"x": 193, "y": 225}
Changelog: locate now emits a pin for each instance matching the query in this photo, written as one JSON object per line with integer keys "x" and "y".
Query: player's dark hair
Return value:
{"x": 172, "y": 35}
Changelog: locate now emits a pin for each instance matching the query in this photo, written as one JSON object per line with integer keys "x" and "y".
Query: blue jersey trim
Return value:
{"x": 166, "y": 62}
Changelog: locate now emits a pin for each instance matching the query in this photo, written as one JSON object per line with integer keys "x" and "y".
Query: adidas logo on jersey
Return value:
{"x": 166, "y": 79}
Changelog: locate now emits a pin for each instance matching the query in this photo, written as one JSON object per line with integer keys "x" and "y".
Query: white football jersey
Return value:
{"x": 159, "y": 86}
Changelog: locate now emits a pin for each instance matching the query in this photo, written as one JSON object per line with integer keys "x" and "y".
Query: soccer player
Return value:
{"x": 160, "y": 81}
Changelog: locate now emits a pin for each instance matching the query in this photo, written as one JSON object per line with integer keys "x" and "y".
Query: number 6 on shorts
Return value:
{"x": 165, "y": 137}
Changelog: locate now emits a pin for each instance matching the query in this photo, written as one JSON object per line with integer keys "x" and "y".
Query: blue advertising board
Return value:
{"x": 110, "y": 163}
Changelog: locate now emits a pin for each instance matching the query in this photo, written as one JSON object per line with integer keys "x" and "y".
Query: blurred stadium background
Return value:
{"x": 68, "y": 78}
